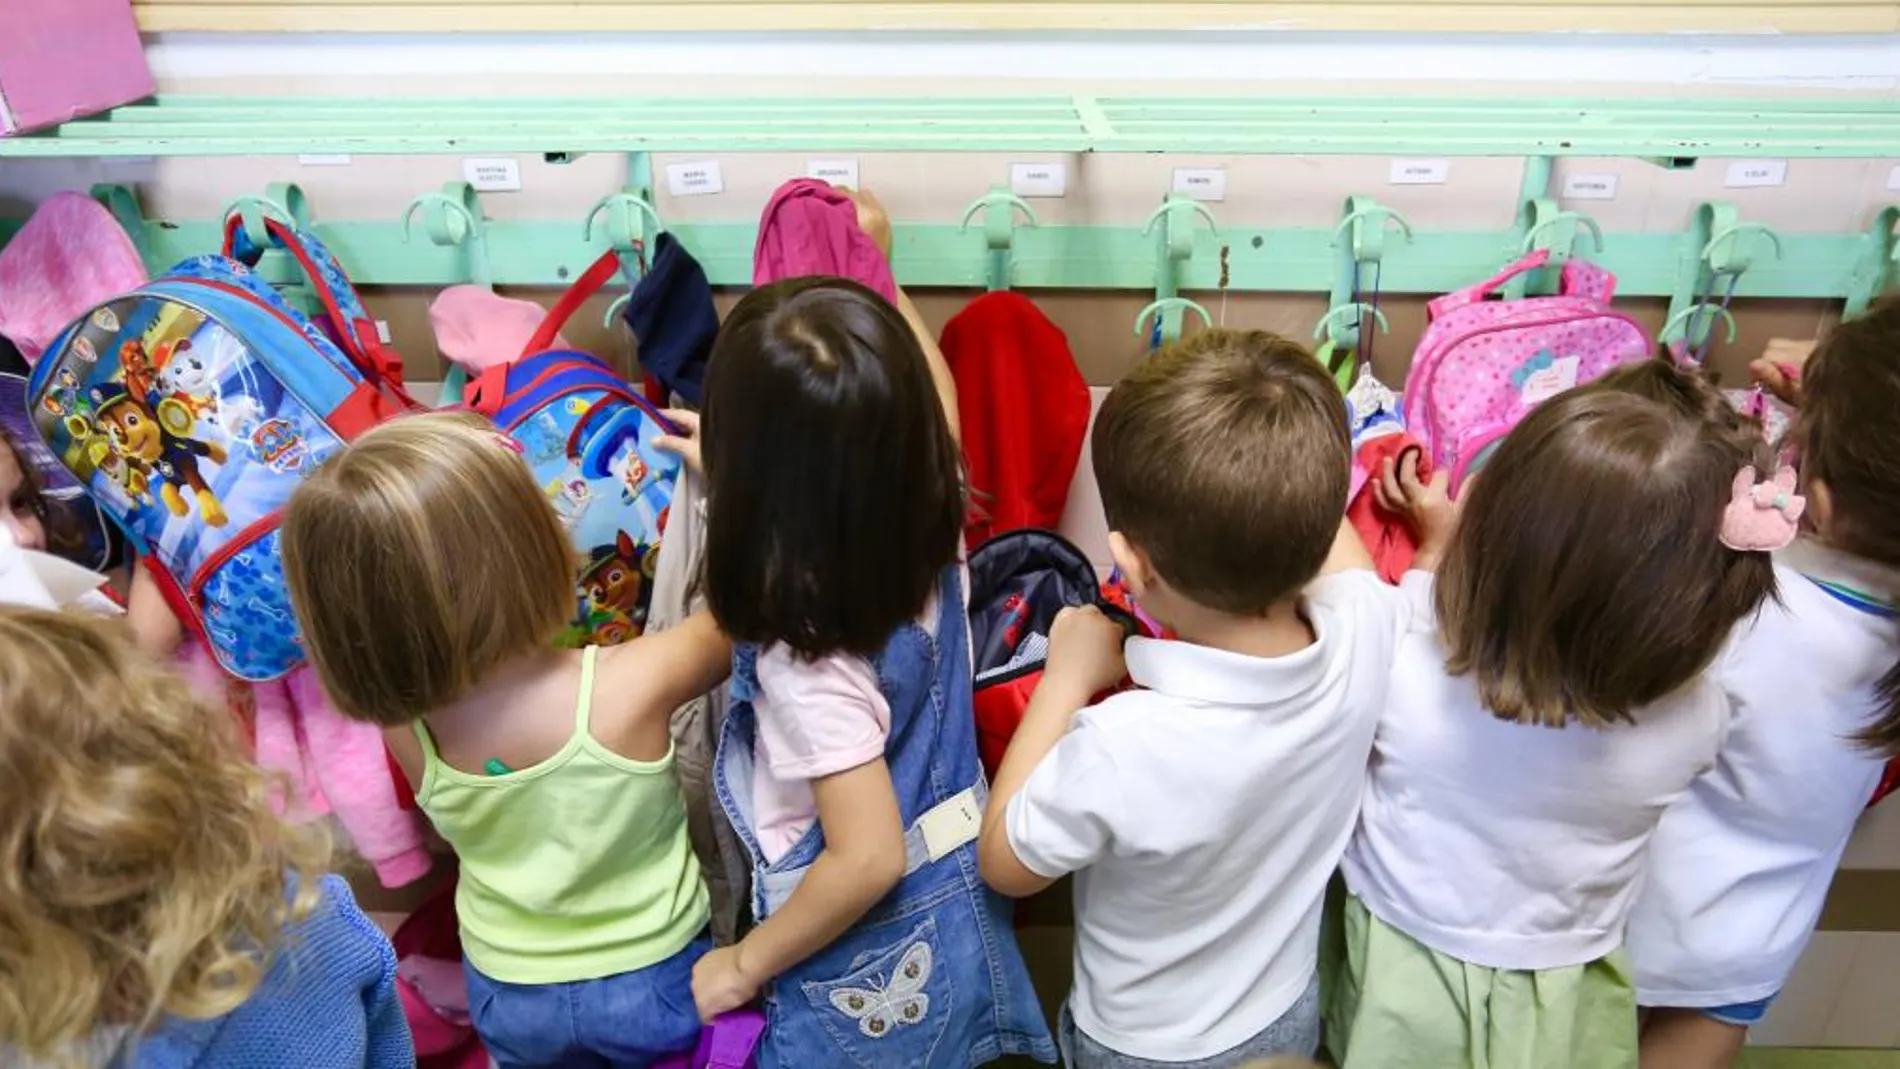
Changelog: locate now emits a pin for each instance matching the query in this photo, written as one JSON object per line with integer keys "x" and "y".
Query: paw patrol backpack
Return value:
{"x": 191, "y": 407}
{"x": 589, "y": 437}
{"x": 1484, "y": 364}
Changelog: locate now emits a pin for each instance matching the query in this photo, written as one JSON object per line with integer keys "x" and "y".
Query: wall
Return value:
{"x": 1834, "y": 999}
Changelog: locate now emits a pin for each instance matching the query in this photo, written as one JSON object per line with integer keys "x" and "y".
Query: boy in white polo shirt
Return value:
{"x": 1204, "y": 813}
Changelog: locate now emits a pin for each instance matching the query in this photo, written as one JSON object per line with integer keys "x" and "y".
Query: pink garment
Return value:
{"x": 477, "y": 329}
{"x": 71, "y": 255}
{"x": 815, "y": 718}
{"x": 335, "y": 765}
{"x": 810, "y": 228}
{"x": 59, "y": 61}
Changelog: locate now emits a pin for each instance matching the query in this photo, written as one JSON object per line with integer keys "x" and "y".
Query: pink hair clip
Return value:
{"x": 508, "y": 443}
{"x": 1762, "y": 516}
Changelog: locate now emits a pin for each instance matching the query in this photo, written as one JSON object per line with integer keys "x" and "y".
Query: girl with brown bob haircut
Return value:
{"x": 1548, "y": 705}
{"x": 1741, "y": 868}
{"x": 157, "y": 912}
{"x": 431, "y": 576}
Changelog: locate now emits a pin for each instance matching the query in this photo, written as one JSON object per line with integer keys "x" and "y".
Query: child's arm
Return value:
{"x": 683, "y": 662}
{"x": 862, "y": 860}
{"x": 1085, "y": 658}
{"x": 1428, "y": 507}
{"x": 155, "y": 628}
{"x": 1779, "y": 369}
{"x": 876, "y": 223}
{"x": 1348, "y": 552}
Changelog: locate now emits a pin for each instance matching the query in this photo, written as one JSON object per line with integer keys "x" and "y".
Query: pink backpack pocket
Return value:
{"x": 1483, "y": 364}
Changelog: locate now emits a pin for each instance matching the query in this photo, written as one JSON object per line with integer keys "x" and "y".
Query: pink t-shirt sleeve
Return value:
{"x": 821, "y": 717}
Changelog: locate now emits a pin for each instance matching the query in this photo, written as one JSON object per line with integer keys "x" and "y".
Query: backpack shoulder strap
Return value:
{"x": 355, "y": 329}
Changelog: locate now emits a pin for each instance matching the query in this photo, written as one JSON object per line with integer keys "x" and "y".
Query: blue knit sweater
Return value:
{"x": 328, "y": 1002}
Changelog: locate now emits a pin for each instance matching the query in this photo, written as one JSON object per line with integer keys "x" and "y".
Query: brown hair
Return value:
{"x": 1225, "y": 459}
{"x": 1849, "y": 433}
{"x": 143, "y": 871}
{"x": 834, "y": 487}
{"x": 1692, "y": 393}
{"x": 420, "y": 558}
{"x": 1585, "y": 578}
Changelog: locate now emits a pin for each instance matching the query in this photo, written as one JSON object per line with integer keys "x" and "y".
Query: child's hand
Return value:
{"x": 1426, "y": 506}
{"x": 719, "y": 984}
{"x": 872, "y": 219}
{"x": 685, "y": 444}
{"x": 1779, "y": 369}
{"x": 1085, "y": 652}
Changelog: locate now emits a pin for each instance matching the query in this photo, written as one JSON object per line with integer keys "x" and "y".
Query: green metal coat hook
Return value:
{"x": 1678, "y": 325}
{"x": 123, "y": 203}
{"x": 1560, "y": 247}
{"x": 1164, "y": 307}
{"x": 1878, "y": 265}
{"x": 1368, "y": 241}
{"x": 1331, "y": 326}
{"x": 1178, "y": 240}
{"x": 1726, "y": 254}
{"x": 999, "y": 207}
{"x": 452, "y": 218}
{"x": 283, "y": 201}
{"x": 626, "y": 215}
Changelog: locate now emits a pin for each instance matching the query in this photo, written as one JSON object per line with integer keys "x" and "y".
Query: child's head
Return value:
{"x": 1586, "y": 577}
{"x": 1223, "y": 463}
{"x": 834, "y": 488}
{"x": 1848, "y": 431}
{"x": 142, "y": 869}
{"x": 419, "y": 559}
{"x": 23, "y": 495}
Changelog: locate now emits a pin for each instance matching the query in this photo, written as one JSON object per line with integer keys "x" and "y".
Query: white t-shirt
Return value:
{"x": 1507, "y": 845}
{"x": 1202, "y": 817}
{"x": 1739, "y": 869}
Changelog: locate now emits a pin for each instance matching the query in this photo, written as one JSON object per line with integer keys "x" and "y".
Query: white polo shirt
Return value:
{"x": 1507, "y": 845}
{"x": 1740, "y": 869}
{"x": 1202, "y": 817}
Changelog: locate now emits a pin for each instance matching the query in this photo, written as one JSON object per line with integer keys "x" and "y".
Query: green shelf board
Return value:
{"x": 184, "y": 125}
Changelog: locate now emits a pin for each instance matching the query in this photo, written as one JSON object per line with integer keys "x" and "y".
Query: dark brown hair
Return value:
{"x": 834, "y": 488}
{"x": 419, "y": 559}
{"x": 1692, "y": 393}
{"x": 1225, "y": 459}
{"x": 1849, "y": 433}
{"x": 1586, "y": 578}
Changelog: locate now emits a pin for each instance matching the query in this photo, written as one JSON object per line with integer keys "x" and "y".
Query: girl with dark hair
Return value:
{"x": 848, "y": 761}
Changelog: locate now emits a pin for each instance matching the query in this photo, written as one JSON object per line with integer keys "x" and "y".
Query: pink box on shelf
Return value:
{"x": 60, "y": 59}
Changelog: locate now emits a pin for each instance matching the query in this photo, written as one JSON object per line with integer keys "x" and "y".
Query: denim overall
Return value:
{"x": 931, "y": 976}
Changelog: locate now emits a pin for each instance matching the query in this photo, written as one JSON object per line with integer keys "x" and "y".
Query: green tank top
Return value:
{"x": 574, "y": 869}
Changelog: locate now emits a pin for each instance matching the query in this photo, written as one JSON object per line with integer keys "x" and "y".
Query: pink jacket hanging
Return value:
{"x": 811, "y": 228}
{"x": 71, "y": 255}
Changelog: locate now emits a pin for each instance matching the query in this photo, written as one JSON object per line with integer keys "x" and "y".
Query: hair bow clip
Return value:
{"x": 508, "y": 443}
{"x": 1762, "y": 516}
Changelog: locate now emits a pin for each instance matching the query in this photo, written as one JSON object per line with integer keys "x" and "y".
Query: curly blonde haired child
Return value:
{"x": 155, "y": 911}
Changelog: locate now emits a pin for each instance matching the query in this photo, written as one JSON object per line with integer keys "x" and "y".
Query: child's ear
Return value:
{"x": 1820, "y": 510}
{"x": 1131, "y": 562}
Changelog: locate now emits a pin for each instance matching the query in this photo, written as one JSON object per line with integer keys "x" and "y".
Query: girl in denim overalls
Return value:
{"x": 848, "y": 762}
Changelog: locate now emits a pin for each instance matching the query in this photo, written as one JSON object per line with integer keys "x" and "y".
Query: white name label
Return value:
{"x": 499, "y": 175}
{"x": 1420, "y": 172}
{"x": 1039, "y": 179}
{"x": 1590, "y": 186}
{"x": 1893, "y": 179}
{"x": 1755, "y": 174}
{"x": 1201, "y": 183}
{"x": 698, "y": 179}
{"x": 837, "y": 172}
{"x": 326, "y": 159}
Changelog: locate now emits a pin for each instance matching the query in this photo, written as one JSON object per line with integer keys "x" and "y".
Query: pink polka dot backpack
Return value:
{"x": 1484, "y": 362}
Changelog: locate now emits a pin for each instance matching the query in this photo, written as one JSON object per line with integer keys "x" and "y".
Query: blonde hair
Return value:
{"x": 419, "y": 559}
{"x": 142, "y": 869}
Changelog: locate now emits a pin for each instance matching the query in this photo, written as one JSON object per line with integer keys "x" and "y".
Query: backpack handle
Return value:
{"x": 1580, "y": 278}
{"x": 355, "y": 330}
{"x": 584, "y": 287}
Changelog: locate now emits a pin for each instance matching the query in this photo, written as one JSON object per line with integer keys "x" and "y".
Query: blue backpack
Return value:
{"x": 589, "y": 437}
{"x": 191, "y": 407}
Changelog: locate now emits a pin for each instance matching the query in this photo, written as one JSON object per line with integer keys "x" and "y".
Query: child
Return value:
{"x": 848, "y": 761}
{"x": 1545, "y": 710}
{"x": 157, "y": 914}
{"x": 1741, "y": 867}
{"x": 431, "y": 577}
{"x": 1204, "y": 814}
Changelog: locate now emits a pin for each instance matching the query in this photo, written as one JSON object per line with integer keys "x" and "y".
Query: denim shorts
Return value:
{"x": 626, "y": 1021}
{"x": 1741, "y": 1014}
{"x": 1295, "y": 1033}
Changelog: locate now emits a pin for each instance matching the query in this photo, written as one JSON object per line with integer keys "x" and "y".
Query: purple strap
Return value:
{"x": 727, "y": 1043}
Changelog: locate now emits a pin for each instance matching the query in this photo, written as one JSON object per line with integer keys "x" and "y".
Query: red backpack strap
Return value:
{"x": 584, "y": 287}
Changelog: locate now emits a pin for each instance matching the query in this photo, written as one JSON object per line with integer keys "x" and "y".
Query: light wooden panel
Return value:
{"x": 453, "y": 16}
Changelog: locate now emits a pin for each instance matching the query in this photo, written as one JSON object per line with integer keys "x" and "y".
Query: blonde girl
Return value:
{"x": 1740, "y": 869}
{"x": 1545, "y": 709}
{"x": 431, "y": 577}
{"x": 156, "y": 913}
